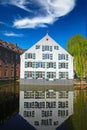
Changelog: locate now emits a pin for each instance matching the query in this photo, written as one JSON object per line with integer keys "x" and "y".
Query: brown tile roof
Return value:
{"x": 10, "y": 46}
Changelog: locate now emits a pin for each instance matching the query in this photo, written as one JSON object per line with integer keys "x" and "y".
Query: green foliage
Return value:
{"x": 77, "y": 47}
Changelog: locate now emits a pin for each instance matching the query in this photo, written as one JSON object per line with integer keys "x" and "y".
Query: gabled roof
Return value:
{"x": 47, "y": 40}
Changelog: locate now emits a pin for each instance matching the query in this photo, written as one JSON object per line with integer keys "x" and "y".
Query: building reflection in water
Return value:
{"x": 45, "y": 109}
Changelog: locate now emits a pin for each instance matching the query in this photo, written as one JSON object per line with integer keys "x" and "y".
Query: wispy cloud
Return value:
{"x": 19, "y": 3}
{"x": 2, "y": 23}
{"x": 12, "y": 34}
{"x": 43, "y": 12}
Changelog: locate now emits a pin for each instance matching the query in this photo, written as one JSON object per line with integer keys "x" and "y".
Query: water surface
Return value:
{"x": 41, "y": 108}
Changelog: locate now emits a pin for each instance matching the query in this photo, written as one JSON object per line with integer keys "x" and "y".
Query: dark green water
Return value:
{"x": 11, "y": 100}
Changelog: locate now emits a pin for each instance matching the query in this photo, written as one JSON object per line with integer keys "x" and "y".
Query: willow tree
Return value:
{"x": 77, "y": 47}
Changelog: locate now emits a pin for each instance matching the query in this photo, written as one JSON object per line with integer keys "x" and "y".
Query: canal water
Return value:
{"x": 42, "y": 107}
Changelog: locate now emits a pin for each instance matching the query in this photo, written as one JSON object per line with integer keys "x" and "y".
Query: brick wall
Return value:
{"x": 9, "y": 61}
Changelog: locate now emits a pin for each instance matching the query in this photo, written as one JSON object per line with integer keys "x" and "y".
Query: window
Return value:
{"x": 51, "y": 65}
{"x": 61, "y": 56}
{"x": 50, "y": 104}
{"x": 39, "y": 74}
{"x": 51, "y": 75}
{"x": 63, "y": 75}
{"x": 50, "y": 94}
{"x": 36, "y": 123}
{"x": 62, "y": 113}
{"x": 37, "y": 46}
{"x": 6, "y": 73}
{"x": 63, "y": 65}
{"x": 62, "y": 104}
{"x": 46, "y": 48}
{"x": 29, "y": 113}
{"x": 63, "y": 94}
{"x": 39, "y": 95}
{"x": 47, "y": 56}
{"x": 30, "y": 55}
{"x": 17, "y": 57}
{"x": 39, "y": 104}
{"x": 56, "y": 123}
{"x": 39, "y": 64}
{"x": 46, "y": 122}
{"x": 6, "y": 61}
{"x": 46, "y": 113}
{"x": 28, "y": 94}
{"x": 56, "y": 47}
{"x": 28, "y": 74}
{"x": 28, "y": 64}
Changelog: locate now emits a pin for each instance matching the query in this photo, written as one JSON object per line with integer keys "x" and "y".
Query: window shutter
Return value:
{"x": 26, "y": 64}
{"x": 26, "y": 55}
{"x": 54, "y": 65}
{"x": 66, "y": 56}
{"x": 43, "y": 75}
{"x": 66, "y": 65}
{"x": 66, "y": 75}
{"x": 36, "y": 64}
{"x": 51, "y": 57}
{"x": 43, "y": 48}
{"x": 25, "y": 74}
{"x": 59, "y": 65}
{"x": 33, "y": 65}
{"x": 43, "y": 64}
{"x": 50, "y": 48}
{"x": 43, "y": 56}
{"x": 59, "y": 56}
{"x": 33, "y": 55}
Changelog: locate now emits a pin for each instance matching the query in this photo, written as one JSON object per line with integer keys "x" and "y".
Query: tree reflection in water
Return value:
{"x": 9, "y": 101}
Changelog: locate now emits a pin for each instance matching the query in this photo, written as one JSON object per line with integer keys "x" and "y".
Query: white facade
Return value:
{"x": 46, "y": 60}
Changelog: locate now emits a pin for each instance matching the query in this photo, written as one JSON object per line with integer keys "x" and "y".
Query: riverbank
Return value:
{"x": 80, "y": 84}
{"x": 77, "y": 83}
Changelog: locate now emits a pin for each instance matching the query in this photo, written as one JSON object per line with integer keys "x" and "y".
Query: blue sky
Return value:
{"x": 25, "y": 22}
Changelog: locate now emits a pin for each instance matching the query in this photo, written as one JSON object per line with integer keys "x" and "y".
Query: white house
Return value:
{"x": 46, "y": 62}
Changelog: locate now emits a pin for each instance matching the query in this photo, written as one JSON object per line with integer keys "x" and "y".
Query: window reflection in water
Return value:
{"x": 46, "y": 109}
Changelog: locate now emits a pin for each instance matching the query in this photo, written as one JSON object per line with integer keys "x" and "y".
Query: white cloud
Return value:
{"x": 12, "y": 34}
{"x": 18, "y": 3}
{"x": 34, "y": 22}
{"x": 42, "y": 12}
